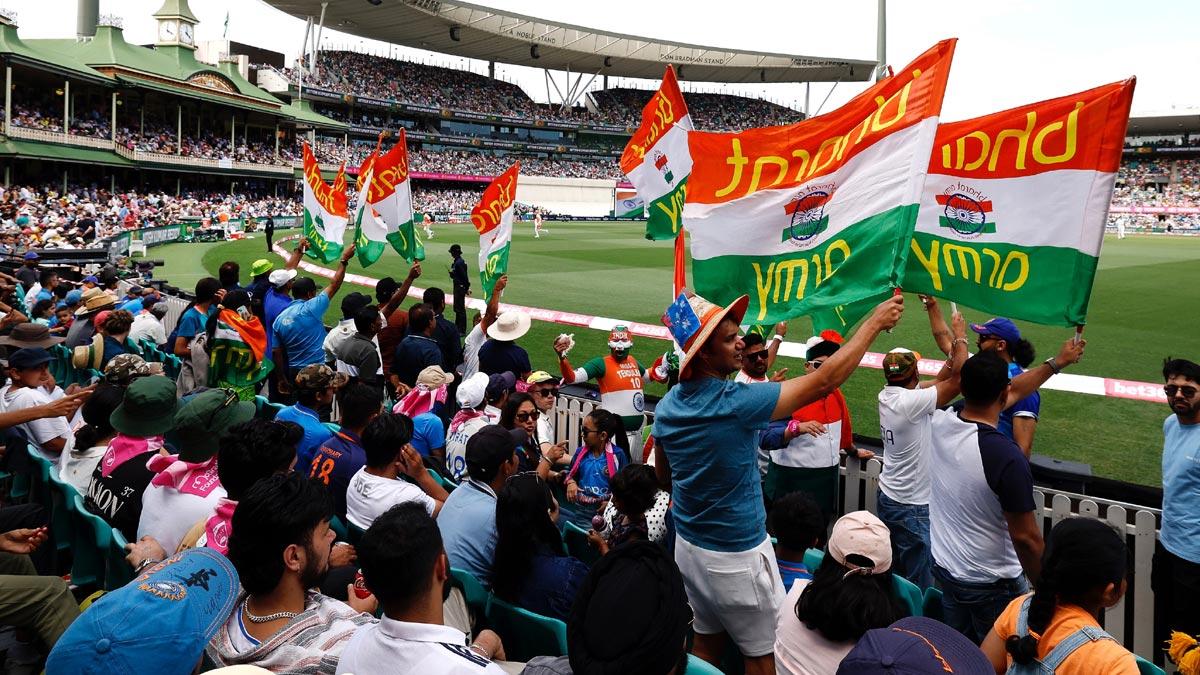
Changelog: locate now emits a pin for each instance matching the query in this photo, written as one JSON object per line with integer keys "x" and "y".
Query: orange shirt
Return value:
{"x": 1101, "y": 656}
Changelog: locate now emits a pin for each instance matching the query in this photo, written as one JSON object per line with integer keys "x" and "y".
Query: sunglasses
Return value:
{"x": 815, "y": 364}
{"x": 526, "y": 416}
{"x": 761, "y": 354}
{"x": 1172, "y": 389}
{"x": 547, "y": 393}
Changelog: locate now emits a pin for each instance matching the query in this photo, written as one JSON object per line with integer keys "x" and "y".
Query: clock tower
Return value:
{"x": 176, "y": 25}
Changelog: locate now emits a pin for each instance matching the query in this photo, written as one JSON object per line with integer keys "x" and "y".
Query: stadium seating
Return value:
{"x": 576, "y": 539}
{"x": 478, "y": 598}
{"x": 524, "y": 633}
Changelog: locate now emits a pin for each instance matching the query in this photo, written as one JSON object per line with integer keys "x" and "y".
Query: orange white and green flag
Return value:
{"x": 807, "y": 217}
{"x": 389, "y": 218}
{"x": 493, "y": 220}
{"x": 1013, "y": 211}
{"x": 325, "y": 215}
{"x": 656, "y": 159}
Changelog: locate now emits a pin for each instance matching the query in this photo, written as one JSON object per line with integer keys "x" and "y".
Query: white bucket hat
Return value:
{"x": 281, "y": 277}
{"x": 509, "y": 326}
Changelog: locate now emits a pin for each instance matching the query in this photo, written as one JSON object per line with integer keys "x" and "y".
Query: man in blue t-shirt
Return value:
{"x": 1019, "y": 420}
{"x": 706, "y": 429}
{"x": 298, "y": 334}
{"x": 316, "y": 386}
{"x": 342, "y": 455}
{"x": 983, "y": 529}
{"x": 1176, "y": 576}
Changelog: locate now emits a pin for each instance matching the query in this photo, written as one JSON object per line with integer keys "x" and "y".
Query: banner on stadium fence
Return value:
{"x": 814, "y": 215}
{"x": 153, "y": 236}
{"x": 493, "y": 219}
{"x": 1015, "y": 203}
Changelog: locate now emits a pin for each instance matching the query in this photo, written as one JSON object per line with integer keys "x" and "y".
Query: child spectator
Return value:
{"x": 798, "y": 525}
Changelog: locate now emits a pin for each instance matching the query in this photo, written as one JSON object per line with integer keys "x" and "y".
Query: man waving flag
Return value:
{"x": 656, "y": 159}
{"x": 325, "y": 214}
{"x": 493, "y": 218}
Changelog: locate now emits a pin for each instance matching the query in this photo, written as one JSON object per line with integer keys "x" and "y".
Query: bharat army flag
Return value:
{"x": 493, "y": 220}
{"x": 811, "y": 216}
{"x": 389, "y": 195}
{"x": 656, "y": 159}
{"x": 368, "y": 231}
{"x": 325, "y": 214}
{"x": 1013, "y": 211}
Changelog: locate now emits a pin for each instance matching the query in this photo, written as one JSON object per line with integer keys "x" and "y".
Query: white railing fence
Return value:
{"x": 1130, "y": 622}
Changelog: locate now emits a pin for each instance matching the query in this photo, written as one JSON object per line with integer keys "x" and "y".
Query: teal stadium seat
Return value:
{"x": 698, "y": 666}
{"x": 446, "y": 484}
{"x": 476, "y": 596}
{"x": 576, "y": 539}
{"x": 91, "y": 540}
{"x": 1147, "y": 668}
{"x": 932, "y": 604}
{"x": 909, "y": 594}
{"x": 525, "y": 634}
{"x": 117, "y": 571}
{"x": 813, "y": 558}
{"x": 265, "y": 409}
{"x": 354, "y": 533}
{"x": 339, "y": 528}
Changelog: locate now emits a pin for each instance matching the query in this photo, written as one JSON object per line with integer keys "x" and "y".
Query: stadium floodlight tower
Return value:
{"x": 477, "y": 32}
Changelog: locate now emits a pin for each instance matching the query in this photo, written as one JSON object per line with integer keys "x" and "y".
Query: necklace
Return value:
{"x": 268, "y": 618}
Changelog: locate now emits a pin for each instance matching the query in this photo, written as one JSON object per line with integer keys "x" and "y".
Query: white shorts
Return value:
{"x": 736, "y": 593}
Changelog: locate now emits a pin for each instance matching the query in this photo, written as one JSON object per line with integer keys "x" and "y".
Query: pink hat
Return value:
{"x": 861, "y": 533}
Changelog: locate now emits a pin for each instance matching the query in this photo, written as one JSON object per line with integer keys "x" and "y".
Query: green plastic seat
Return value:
{"x": 265, "y": 409}
{"x": 91, "y": 539}
{"x": 446, "y": 484}
{"x": 117, "y": 571}
{"x": 477, "y": 597}
{"x": 932, "y": 603}
{"x": 333, "y": 426}
{"x": 525, "y": 634}
{"x": 813, "y": 558}
{"x": 698, "y": 666}
{"x": 1147, "y": 668}
{"x": 354, "y": 533}
{"x": 909, "y": 594}
{"x": 339, "y": 528}
{"x": 576, "y": 539}
{"x": 62, "y": 496}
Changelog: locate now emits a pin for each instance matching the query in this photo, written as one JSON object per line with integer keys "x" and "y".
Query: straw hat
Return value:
{"x": 692, "y": 319}
{"x": 94, "y": 299}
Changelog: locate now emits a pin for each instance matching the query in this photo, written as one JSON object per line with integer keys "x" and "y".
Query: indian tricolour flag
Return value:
{"x": 818, "y": 214}
{"x": 389, "y": 218}
{"x": 657, "y": 161}
{"x": 493, "y": 219}
{"x": 325, "y": 214}
{"x": 1015, "y": 203}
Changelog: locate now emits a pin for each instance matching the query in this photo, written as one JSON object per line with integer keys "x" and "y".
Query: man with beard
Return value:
{"x": 1176, "y": 575}
{"x": 280, "y": 545}
{"x": 759, "y": 356}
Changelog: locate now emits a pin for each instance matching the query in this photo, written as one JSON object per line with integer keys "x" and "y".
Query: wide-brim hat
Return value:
{"x": 148, "y": 408}
{"x": 30, "y": 335}
{"x": 261, "y": 266}
{"x": 280, "y": 277}
{"x": 509, "y": 326}
{"x": 201, "y": 422}
{"x": 688, "y": 335}
{"x": 94, "y": 300}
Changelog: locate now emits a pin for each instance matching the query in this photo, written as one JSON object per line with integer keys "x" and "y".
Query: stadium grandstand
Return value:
{"x": 109, "y": 147}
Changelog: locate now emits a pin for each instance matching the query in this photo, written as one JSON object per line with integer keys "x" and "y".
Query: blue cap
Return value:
{"x": 74, "y": 297}
{"x": 157, "y": 623}
{"x": 915, "y": 645}
{"x": 1000, "y": 327}
{"x": 91, "y": 279}
{"x": 29, "y": 357}
{"x": 62, "y": 304}
{"x": 32, "y": 255}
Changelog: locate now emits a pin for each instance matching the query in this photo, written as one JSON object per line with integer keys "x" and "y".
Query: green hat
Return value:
{"x": 200, "y": 423}
{"x": 148, "y": 409}
{"x": 261, "y": 266}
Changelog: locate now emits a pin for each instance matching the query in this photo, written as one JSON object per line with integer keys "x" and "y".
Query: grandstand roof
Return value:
{"x": 477, "y": 32}
{"x": 1166, "y": 123}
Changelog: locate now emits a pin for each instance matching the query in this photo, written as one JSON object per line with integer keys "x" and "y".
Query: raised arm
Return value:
{"x": 800, "y": 391}
{"x": 294, "y": 261}
{"x": 62, "y": 407}
{"x": 937, "y": 323}
{"x": 402, "y": 292}
{"x": 1029, "y": 381}
{"x": 949, "y": 382}
{"x": 493, "y": 305}
{"x": 340, "y": 275}
{"x": 773, "y": 348}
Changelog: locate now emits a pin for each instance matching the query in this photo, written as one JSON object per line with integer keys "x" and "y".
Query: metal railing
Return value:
{"x": 1130, "y": 621}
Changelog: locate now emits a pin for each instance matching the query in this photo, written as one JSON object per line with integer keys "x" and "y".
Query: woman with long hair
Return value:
{"x": 91, "y": 439}
{"x": 850, "y": 593}
{"x": 1057, "y": 627}
{"x": 237, "y": 347}
{"x": 520, "y": 412}
{"x": 532, "y": 569}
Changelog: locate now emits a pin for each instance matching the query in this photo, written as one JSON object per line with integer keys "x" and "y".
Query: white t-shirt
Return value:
{"x": 904, "y": 424}
{"x": 545, "y": 427}
{"x": 799, "y": 650}
{"x": 43, "y": 430}
{"x": 456, "y": 446}
{"x": 76, "y": 467}
{"x": 471, "y": 345}
{"x": 369, "y": 496}
{"x": 146, "y": 326}
{"x": 168, "y": 514}
{"x": 392, "y": 646}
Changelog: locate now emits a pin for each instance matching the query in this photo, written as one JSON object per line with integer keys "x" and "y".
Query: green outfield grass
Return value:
{"x": 1143, "y": 309}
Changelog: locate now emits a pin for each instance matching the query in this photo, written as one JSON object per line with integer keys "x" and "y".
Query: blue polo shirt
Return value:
{"x": 428, "y": 433}
{"x": 300, "y": 331}
{"x": 468, "y": 524}
{"x": 1180, "y": 532}
{"x": 193, "y": 322}
{"x": 315, "y": 433}
{"x": 132, "y": 306}
{"x": 709, "y": 430}
{"x": 335, "y": 462}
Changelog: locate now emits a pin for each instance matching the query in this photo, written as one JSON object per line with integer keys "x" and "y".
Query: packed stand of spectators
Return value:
{"x": 161, "y": 138}
{"x": 468, "y": 162}
{"x": 1157, "y": 183}
{"x": 90, "y": 123}
{"x": 710, "y": 112}
{"x": 1176, "y": 142}
{"x": 435, "y": 450}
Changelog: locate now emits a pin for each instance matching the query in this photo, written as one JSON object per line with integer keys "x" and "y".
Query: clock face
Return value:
{"x": 185, "y": 33}
{"x": 166, "y": 30}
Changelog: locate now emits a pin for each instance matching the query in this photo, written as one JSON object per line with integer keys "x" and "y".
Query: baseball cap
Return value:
{"x": 540, "y": 376}
{"x": 471, "y": 390}
{"x": 861, "y": 533}
{"x": 499, "y": 383}
{"x": 915, "y": 645}
{"x": 32, "y": 255}
{"x": 1000, "y": 327}
{"x": 124, "y": 368}
{"x": 319, "y": 376}
{"x": 487, "y": 449}
{"x": 90, "y": 279}
{"x": 29, "y": 357}
{"x": 134, "y": 290}
{"x": 434, "y": 377}
{"x": 158, "y": 623}
{"x": 280, "y": 277}
{"x": 200, "y": 423}
{"x": 354, "y": 302}
{"x": 899, "y": 363}
{"x": 73, "y": 297}
{"x": 261, "y": 266}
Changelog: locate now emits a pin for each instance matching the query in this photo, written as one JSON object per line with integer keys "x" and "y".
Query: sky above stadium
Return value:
{"x": 1010, "y": 52}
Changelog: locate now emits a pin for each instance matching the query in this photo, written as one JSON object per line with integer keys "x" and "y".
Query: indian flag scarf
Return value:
{"x": 239, "y": 352}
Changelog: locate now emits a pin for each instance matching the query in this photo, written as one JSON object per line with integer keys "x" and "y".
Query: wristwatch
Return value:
{"x": 1053, "y": 363}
